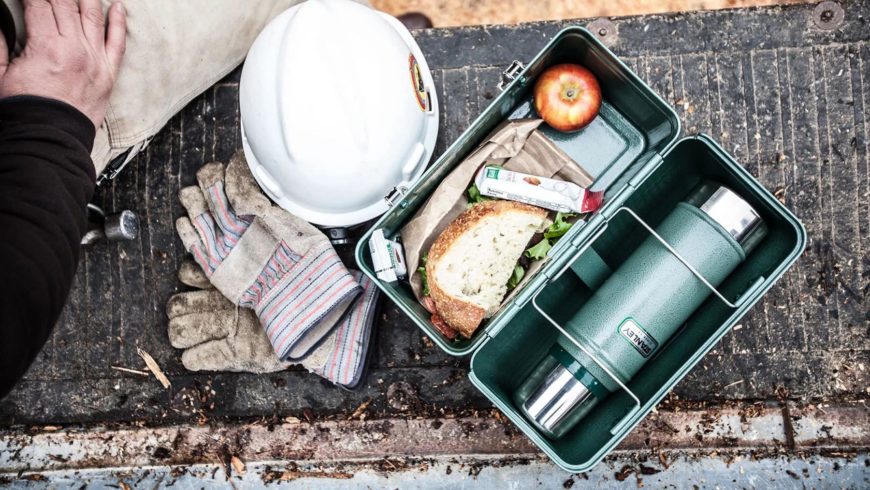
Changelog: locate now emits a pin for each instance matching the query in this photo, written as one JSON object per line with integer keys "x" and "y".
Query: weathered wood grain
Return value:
{"x": 788, "y": 100}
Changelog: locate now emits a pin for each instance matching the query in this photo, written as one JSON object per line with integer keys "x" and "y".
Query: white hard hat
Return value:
{"x": 338, "y": 110}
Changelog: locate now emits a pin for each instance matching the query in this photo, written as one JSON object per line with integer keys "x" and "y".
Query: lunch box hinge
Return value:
{"x": 530, "y": 290}
{"x": 649, "y": 167}
{"x": 510, "y": 73}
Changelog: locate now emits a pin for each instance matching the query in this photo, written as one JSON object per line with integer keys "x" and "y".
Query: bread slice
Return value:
{"x": 471, "y": 262}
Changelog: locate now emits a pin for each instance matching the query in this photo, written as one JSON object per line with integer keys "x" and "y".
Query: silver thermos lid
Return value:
{"x": 554, "y": 399}
{"x": 730, "y": 211}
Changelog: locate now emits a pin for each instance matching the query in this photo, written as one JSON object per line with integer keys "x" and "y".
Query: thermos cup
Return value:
{"x": 637, "y": 308}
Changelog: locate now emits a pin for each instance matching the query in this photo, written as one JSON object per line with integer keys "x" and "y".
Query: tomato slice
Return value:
{"x": 429, "y": 304}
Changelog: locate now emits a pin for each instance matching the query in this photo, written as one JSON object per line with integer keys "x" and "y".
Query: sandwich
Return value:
{"x": 470, "y": 265}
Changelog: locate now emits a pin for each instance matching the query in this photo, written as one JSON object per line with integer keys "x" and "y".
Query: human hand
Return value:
{"x": 70, "y": 55}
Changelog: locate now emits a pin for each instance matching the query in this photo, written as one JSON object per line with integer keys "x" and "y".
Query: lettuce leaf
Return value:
{"x": 424, "y": 278}
{"x": 474, "y": 195}
{"x": 556, "y": 230}
{"x": 559, "y": 227}
{"x": 539, "y": 251}
{"x": 516, "y": 277}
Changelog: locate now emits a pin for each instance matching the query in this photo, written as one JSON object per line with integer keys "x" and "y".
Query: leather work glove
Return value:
{"x": 264, "y": 258}
{"x": 217, "y": 335}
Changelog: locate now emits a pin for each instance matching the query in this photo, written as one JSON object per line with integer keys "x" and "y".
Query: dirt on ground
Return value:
{"x": 444, "y": 13}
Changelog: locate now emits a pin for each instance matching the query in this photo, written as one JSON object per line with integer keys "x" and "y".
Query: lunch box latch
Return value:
{"x": 510, "y": 74}
{"x": 396, "y": 195}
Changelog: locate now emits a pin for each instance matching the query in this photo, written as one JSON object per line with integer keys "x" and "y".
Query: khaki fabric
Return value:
{"x": 176, "y": 49}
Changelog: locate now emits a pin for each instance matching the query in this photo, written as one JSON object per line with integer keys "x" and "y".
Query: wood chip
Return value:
{"x": 292, "y": 420}
{"x": 131, "y": 371}
{"x": 154, "y": 368}
{"x": 360, "y": 410}
{"x": 664, "y": 460}
{"x": 238, "y": 465}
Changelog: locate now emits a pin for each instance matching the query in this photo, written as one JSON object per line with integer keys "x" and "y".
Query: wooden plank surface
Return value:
{"x": 788, "y": 99}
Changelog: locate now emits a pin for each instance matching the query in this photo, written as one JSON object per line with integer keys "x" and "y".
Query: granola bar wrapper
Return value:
{"x": 515, "y": 145}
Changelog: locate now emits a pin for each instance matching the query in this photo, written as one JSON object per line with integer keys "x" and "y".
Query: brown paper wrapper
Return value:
{"x": 515, "y": 145}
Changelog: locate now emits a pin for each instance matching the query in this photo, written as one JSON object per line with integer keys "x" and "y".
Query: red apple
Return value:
{"x": 567, "y": 97}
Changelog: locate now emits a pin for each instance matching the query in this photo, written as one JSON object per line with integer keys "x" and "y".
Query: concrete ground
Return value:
{"x": 781, "y": 399}
{"x": 685, "y": 470}
{"x": 740, "y": 446}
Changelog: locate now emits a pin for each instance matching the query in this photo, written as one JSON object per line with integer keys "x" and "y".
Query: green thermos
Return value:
{"x": 637, "y": 308}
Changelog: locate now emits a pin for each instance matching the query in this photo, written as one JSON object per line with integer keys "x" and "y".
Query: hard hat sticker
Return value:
{"x": 420, "y": 91}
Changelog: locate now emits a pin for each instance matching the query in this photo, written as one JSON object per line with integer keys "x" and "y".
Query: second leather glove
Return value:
{"x": 219, "y": 336}
{"x": 264, "y": 258}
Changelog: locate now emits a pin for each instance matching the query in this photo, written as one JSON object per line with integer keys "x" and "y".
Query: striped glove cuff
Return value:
{"x": 298, "y": 299}
{"x": 341, "y": 358}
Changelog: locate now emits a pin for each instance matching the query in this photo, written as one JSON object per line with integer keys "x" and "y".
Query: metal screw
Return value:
{"x": 828, "y": 15}
{"x": 605, "y": 30}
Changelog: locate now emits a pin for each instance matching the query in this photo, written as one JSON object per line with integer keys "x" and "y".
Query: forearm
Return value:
{"x": 46, "y": 181}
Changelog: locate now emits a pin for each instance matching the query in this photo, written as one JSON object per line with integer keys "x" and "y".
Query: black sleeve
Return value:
{"x": 46, "y": 181}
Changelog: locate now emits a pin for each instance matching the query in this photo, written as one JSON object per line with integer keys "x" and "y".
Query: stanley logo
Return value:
{"x": 643, "y": 342}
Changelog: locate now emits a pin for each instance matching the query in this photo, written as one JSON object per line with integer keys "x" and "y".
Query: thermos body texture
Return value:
{"x": 651, "y": 294}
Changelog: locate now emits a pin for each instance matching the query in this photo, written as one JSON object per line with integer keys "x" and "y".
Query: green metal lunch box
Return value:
{"x": 632, "y": 150}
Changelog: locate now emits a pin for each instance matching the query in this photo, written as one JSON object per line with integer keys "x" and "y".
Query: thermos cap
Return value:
{"x": 734, "y": 214}
{"x": 555, "y": 398}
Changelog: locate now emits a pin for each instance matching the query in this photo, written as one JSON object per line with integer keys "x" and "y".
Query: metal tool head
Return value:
{"x": 337, "y": 236}
{"x": 122, "y": 226}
